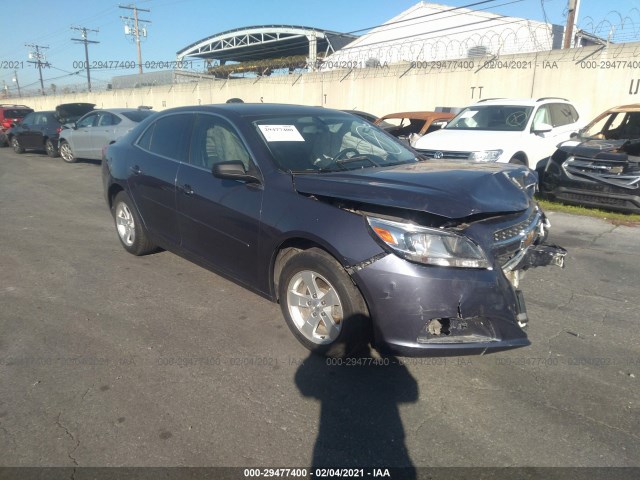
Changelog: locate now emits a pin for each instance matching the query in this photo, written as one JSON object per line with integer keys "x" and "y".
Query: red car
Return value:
{"x": 10, "y": 114}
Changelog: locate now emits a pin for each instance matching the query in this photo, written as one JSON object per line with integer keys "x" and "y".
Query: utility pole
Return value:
{"x": 86, "y": 42}
{"x": 38, "y": 60}
{"x": 134, "y": 30}
{"x": 574, "y": 5}
{"x": 15, "y": 79}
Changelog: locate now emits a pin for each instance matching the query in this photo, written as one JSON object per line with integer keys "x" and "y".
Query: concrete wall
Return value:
{"x": 594, "y": 78}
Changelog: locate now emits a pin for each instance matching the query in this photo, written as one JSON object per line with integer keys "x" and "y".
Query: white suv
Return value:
{"x": 504, "y": 130}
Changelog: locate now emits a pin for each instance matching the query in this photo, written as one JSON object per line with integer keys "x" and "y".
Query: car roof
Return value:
{"x": 419, "y": 115}
{"x": 120, "y": 110}
{"x": 255, "y": 109}
{"x": 633, "y": 107}
{"x": 531, "y": 102}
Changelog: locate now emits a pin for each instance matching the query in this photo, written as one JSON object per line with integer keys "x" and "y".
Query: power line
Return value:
{"x": 86, "y": 43}
{"x": 39, "y": 56}
{"x": 131, "y": 27}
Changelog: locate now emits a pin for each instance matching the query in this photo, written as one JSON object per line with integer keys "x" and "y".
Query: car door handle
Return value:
{"x": 135, "y": 170}
{"x": 187, "y": 190}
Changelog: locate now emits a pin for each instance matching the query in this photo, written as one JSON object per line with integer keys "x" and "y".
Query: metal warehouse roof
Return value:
{"x": 265, "y": 42}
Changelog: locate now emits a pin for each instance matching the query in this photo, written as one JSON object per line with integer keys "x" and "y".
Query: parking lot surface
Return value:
{"x": 108, "y": 359}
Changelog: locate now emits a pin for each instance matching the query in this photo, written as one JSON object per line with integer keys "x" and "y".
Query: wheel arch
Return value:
{"x": 114, "y": 189}
{"x": 288, "y": 247}
{"x": 520, "y": 155}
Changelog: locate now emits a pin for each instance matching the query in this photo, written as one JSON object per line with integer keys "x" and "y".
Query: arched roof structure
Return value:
{"x": 266, "y": 42}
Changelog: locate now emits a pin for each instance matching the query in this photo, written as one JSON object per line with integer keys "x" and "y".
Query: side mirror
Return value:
{"x": 542, "y": 128}
{"x": 574, "y": 135}
{"x": 233, "y": 170}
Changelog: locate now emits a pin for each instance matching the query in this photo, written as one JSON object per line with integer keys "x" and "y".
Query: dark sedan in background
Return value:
{"x": 358, "y": 239}
{"x": 40, "y": 130}
{"x": 600, "y": 167}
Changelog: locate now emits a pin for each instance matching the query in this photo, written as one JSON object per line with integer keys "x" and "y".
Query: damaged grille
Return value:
{"x": 595, "y": 199}
{"x": 513, "y": 239}
{"x": 517, "y": 231}
{"x": 438, "y": 154}
{"x": 619, "y": 173}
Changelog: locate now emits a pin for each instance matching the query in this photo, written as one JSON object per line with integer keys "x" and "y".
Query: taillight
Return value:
{"x": 58, "y": 130}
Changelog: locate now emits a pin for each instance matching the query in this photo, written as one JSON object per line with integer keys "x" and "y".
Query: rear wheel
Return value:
{"x": 66, "y": 153}
{"x": 51, "y": 148}
{"x": 17, "y": 147}
{"x": 322, "y": 307}
{"x": 131, "y": 233}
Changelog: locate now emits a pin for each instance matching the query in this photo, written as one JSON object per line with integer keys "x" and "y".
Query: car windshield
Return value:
{"x": 329, "y": 143}
{"x": 614, "y": 126}
{"x": 138, "y": 115}
{"x": 501, "y": 118}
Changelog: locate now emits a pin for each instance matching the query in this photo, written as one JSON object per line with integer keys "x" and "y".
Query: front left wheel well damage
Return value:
{"x": 293, "y": 246}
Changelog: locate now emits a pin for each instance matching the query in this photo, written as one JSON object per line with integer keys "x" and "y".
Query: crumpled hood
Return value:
{"x": 465, "y": 140}
{"x": 446, "y": 189}
{"x": 602, "y": 149}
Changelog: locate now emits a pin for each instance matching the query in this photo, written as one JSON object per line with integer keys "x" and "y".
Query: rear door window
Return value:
{"x": 562, "y": 114}
{"x": 107, "y": 120}
{"x": 29, "y": 119}
{"x": 170, "y": 136}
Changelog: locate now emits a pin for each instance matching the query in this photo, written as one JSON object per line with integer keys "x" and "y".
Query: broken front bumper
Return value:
{"x": 422, "y": 310}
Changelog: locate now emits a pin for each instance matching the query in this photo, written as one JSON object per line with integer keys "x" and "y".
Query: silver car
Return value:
{"x": 90, "y": 134}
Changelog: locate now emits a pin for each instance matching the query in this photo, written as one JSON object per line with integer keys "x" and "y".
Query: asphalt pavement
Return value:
{"x": 112, "y": 360}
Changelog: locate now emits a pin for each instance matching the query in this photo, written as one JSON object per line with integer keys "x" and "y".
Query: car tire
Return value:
{"x": 339, "y": 328}
{"x": 131, "y": 232}
{"x": 17, "y": 147}
{"x": 50, "y": 147}
{"x": 66, "y": 153}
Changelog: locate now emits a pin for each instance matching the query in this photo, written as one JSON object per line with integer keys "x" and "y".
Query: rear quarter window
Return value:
{"x": 137, "y": 116}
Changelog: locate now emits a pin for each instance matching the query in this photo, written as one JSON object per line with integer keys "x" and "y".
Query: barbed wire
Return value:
{"x": 616, "y": 26}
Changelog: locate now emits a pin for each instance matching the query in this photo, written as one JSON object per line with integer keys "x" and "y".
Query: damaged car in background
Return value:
{"x": 360, "y": 241}
{"x": 408, "y": 127}
{"x": 599, "y": 167}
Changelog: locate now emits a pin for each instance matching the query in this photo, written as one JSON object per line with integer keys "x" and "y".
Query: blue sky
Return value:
{"x": 177, "y": 23}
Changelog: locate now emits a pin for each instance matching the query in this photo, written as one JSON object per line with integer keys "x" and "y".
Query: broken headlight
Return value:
{"x": 428, "y": 246}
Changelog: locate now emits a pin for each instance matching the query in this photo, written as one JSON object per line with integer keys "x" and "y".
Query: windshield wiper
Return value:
{"x": 356, "y": 158}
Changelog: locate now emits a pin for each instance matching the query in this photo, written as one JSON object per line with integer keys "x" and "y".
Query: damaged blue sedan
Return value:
{"x": 359, "y": 239}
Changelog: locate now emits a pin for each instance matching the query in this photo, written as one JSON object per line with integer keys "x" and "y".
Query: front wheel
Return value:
{"x": 131, "y": 233}
{"x": 17, "y": 147}
{"x": 322, "y": 307}
{"x": 66, "y": 153}
{"x": 51, "y": 148}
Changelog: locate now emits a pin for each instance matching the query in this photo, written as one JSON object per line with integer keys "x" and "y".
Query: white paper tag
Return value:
{"x": 469, "y": 114}
{"x": 281, "y": 133}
